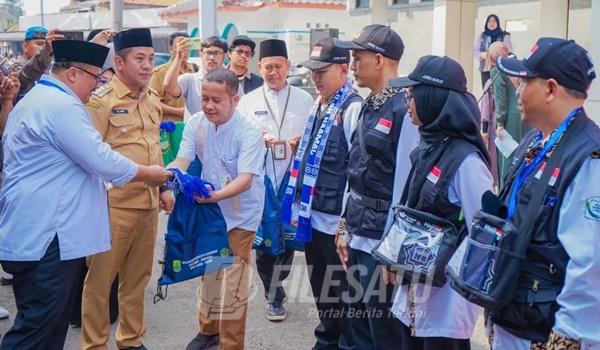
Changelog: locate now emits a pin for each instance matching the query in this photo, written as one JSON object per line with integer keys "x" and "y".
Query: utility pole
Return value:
{"x": 207, "y": 17}
{"x": 41, "y": 11}
{"x": 116, "y": 10}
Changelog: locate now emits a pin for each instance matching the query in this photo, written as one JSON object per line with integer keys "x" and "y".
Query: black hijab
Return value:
{"x": 446, "y": 115}
{"x": 493, "y": 34}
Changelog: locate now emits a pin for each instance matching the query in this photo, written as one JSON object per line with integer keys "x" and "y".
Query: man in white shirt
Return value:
{"x": 189, "y": 85}
{"x": 231, "y": 150}
{"x": 339, "y": 107}
{"x": 280, "y": 111}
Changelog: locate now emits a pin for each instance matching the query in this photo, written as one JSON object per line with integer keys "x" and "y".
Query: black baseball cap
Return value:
{"x": 243, "y": 40}
{"x": 442, "y": 72}
{"x": 325, "y": 53}
{"x": 376, "y": 38}
{"x": 563, "y": 60}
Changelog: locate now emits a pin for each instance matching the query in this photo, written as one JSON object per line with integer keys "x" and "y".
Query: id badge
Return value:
{"x": 279, "y": 150}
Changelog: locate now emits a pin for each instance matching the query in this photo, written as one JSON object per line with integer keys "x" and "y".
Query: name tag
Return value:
{"x": 120, "y": 111}
{"x": 434, "y": 175}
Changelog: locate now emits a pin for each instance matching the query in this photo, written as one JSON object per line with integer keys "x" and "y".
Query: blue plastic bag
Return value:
{"x": 195, "y": 243}
{"x": 289, "y": 231}
{"x": 269, "y": 236}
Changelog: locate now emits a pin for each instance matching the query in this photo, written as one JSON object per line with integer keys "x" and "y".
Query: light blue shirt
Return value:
{"x": 55, "y": 170}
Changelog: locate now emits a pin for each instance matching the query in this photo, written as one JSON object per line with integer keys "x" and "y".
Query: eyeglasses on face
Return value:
{"x": 99, "y": 79}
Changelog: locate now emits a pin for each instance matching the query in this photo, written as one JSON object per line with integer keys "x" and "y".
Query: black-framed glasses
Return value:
{"x": 242, "y": 52}
{"x": 216, "y": 53}
{"x": 99, "y": 79}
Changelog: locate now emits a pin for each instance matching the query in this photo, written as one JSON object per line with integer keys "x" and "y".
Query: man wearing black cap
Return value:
{"x": 280, "y": 111}
{"x": 189, "y": 86}
{"x": 241, "y": 52}
{"x": 53, "y": 206}
{"x": 381, "y": 146}
{"x": 335, "y": 115}
{"x": 556, "y": 300}
{"x": 127, "y": 114}
{"x": 173, "y": 108}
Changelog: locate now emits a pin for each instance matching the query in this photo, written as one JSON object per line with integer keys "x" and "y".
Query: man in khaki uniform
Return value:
{"x": 127, "y": 115}
{"x": 172, "y": 108}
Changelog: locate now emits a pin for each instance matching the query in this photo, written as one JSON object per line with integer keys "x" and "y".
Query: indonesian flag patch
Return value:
{"x": 384, "y": 125}
{"x": 540, "y": 171}
{"x": 434, "y": 174}
{"x": 554, "y": 176}
{"x": 316, "y": 51}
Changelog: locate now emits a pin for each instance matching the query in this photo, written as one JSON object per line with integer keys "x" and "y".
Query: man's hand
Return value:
{"x": 9, "y": 87}
{"x": 167, "y": 201}
{"x": 389, "y": 277}
{"x": 214, "y": 196}
{"x": 293, "y": 142}
{"x": 153, "y": 175}
{"x": 181, "y": 48}
{"x": 269, "y": 141}
{"x": 103, "y": 37}
{"x": 50, "y": 37}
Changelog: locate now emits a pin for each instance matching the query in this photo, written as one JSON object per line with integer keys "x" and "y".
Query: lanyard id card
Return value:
{"x": 279, "y": 150}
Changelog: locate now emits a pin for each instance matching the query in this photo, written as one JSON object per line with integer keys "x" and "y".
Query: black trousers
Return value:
{"x": 328, "y": 280}
{"x": 373, "y": 324}
{"x": 273, "y": 270}
{"x": 431, "y": 343}
{"x": 44, "y": 294}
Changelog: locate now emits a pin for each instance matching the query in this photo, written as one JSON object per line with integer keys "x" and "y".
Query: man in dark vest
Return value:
{"x": 381, "y": 146}
{"x": 335, "y": 116}
{"x": 556, "y": 302}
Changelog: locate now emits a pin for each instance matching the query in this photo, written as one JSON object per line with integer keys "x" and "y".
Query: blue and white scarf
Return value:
{"x": 289, "y": 211}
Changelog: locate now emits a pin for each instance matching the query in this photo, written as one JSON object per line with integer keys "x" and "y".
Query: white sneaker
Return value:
{"x": 3, "y": 313}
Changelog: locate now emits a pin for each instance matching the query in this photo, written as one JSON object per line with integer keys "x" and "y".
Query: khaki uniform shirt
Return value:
{"x": 130, "y": 125}
{"x": 156, "y": 83}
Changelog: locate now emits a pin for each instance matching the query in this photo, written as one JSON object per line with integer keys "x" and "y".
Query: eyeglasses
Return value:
{"x": 241, "y": 52}
{"x": 99, "y": 79}
{"x": 408, "y": 96}
{"x": 276, "y": 67}
{"x": 213, "y": 53}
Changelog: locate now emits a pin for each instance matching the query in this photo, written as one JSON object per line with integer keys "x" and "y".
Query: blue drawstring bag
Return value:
{"x": 196, "y": 240}
{"x": 269, "y": 238}
{"x": 289, "y": 231}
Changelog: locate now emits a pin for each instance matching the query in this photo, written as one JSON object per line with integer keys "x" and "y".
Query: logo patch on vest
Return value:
{"x": 384, "y": 125}
{"x": 434, "y": 175}
{"x": 592, "y": 208}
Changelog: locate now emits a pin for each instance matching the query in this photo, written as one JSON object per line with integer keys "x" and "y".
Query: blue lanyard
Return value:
{"x": 526, "y": 170}
{"x": 54, "y": 85}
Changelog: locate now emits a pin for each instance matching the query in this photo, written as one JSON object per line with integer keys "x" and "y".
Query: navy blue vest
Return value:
{"x": 531, "y": 315}
{"x": 372, "y": 166}
{"x": 331, "y": 181}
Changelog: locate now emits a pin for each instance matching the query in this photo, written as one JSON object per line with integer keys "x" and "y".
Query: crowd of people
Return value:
{"x": 410, "y": 225}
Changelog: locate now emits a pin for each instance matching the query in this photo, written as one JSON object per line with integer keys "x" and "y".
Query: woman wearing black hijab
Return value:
{"x": 450, "y": 173}
{"x": 492, "y": 32}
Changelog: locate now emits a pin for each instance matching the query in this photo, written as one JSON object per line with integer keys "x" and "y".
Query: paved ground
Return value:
{"x": 172, "y": 323}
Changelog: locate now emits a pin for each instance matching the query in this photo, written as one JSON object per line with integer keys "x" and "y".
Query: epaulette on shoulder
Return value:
{"x": 103, "y": 90}
{"x": 152, "y": 91}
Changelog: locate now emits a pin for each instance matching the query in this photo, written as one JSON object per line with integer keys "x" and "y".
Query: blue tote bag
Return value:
{"x": 196, "y": 241}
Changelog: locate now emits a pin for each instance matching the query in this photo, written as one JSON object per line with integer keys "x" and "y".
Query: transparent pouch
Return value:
{"x": 493, "y": 260}
{"x": 419, "y": 245}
